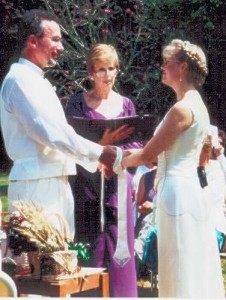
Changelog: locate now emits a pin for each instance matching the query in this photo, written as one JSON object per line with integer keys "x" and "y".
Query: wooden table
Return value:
{"x": 94, "y": 278}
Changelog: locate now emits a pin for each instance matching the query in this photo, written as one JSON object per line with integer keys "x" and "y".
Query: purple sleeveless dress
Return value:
{"x": 86, "y": 190}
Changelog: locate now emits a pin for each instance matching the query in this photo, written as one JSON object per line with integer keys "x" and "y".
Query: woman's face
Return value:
{"x": 104, "y": 74}
{"x": 170, "y": 71}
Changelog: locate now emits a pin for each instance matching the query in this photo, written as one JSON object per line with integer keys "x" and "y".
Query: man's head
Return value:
{"x": 39, "y": 38}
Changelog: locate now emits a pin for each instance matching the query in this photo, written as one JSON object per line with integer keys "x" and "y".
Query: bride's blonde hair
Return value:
{"x": 184, "y": 51}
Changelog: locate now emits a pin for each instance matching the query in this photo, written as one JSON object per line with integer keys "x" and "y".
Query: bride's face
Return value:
{"x": 170, "y": 70}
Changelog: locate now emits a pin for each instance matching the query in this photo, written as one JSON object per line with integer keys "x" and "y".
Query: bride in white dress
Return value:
{"x": 189, "y": 261}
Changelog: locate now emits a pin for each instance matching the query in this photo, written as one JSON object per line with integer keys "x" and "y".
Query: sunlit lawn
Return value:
{"x": 3, "y": 190}
{"x": 223, "y": 263}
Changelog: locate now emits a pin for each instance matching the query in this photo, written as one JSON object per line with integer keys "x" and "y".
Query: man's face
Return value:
{"x": 48, "y": 47}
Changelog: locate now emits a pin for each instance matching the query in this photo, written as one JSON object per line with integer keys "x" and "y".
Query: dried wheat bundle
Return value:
{"x": 31, "y": 221}
{"x": 51, "y": 251}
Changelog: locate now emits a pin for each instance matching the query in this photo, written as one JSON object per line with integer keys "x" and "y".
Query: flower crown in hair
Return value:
{"x": 193, "y": 56}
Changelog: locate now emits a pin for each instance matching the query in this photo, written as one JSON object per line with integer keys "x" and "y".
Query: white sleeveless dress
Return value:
{"x": 189, "y": 261}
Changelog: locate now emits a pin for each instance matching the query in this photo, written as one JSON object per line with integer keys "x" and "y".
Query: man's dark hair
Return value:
{"x": 30, "y": 23}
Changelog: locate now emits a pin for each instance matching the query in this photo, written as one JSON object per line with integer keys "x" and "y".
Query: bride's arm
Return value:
{"x": 178, "y": 119}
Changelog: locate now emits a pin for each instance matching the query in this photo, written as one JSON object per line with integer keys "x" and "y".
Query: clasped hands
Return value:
{"x": 109, "y": 154}
{"x": 107, "y": 160}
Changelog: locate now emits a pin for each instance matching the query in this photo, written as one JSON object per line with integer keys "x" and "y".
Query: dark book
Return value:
{"x": 93, "y": 129}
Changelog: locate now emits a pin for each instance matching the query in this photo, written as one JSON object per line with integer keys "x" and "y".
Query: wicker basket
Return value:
{"x": 53, "y": 266}
{"x": 59, "y": 265}
{"x": 34, "y": 258}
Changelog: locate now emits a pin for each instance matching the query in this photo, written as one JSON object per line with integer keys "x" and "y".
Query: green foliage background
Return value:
{"x": 137, "y": 28}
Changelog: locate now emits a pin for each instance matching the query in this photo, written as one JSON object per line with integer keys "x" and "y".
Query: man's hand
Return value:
{"x": 108, "y": 156}
{"x": 107, "y": 172}
{"x": 107, "y": 159}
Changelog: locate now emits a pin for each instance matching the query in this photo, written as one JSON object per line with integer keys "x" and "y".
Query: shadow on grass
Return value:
{"x": 3, "y": 190}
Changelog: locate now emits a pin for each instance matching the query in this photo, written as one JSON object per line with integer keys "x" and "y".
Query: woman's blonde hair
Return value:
{"x": 101, "y": 53}
{"x": 185, "y": 51}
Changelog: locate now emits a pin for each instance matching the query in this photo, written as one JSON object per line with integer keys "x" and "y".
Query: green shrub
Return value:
{"x": 137, "y": 29}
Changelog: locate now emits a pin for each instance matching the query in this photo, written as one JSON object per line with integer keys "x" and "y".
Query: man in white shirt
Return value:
{"x": 44, "y": 148}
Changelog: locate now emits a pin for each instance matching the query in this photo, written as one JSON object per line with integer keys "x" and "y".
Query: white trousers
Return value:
{"x": 53, "y": 194}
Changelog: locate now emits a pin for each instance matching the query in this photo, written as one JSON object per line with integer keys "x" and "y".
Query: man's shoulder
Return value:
{"x": 19, "y": 76}
{"x": 16, "y": 70}
{"x": 10, "y": 77}
{"x": 20, "y": 73}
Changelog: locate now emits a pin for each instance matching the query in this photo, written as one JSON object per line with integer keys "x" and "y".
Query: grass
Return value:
{"x": 223, "y": 265}
{"x": 3, "y": 190}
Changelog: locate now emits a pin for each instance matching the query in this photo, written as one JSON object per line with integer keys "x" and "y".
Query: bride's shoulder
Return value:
{"x": 181, "y": 111}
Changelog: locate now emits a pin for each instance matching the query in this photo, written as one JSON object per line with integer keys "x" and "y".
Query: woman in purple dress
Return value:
{"x": 101, "y": 102}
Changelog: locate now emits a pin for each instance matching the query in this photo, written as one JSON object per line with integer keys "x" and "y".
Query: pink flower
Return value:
{"x": 127, "y": 10}
{"x": 107, "y": 11}
{"x": 87, "y": 5}
{"x": 105, "y": 31}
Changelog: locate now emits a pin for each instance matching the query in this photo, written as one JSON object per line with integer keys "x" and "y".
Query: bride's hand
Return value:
{"x": 128, "y": 154}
